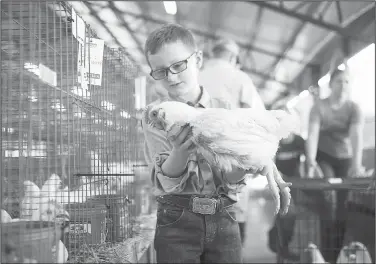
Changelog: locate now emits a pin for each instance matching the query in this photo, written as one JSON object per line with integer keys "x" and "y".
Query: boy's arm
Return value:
{"x": 168, "y": 168}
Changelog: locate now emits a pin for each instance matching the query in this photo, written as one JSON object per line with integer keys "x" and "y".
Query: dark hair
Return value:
{"x": 169, "y": 33}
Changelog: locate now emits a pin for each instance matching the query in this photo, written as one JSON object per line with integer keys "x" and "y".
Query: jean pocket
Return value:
{"x": 168, "y": 215}
{"x": 231, "y": 212}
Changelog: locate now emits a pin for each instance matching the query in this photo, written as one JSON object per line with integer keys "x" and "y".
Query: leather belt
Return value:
{"x": 197, "y": 204}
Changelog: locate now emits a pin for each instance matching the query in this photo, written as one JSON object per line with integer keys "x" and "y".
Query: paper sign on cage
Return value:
{"x": 78, "y": 28}
{"x": 90, "y": 63}
{"x": 47, "y": 75}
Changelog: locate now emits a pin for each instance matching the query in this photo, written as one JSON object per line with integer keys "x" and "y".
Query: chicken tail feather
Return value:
{"x": 288, "y": 122}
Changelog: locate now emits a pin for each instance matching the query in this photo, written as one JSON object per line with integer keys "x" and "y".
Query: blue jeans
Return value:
{"x": 185, "y": 237}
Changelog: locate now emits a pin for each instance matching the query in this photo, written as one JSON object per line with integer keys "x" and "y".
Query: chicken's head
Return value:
{"x": 52, "y": 185}
{"x": 31, "y": 189}
{"x": 166, "y": 115}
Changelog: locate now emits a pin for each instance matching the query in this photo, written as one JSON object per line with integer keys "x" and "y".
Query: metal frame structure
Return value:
{"x": 303, "y": 19}
{"x": 69, "y": 135}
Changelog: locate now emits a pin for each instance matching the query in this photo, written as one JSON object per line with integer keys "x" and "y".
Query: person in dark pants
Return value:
{"x": 288, "y": 163}
{"x": 335, "y": 138}
{"x": 196, "y": 221}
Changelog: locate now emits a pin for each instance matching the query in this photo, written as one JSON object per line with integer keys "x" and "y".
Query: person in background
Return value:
{"x": 223, "y": 78}
{"x": 288, "y": 162}
{"x": 195, "y": 217}
{"x": 335, "y": 138}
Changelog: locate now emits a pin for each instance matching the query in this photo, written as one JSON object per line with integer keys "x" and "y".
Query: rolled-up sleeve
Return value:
{"x": 163, "y": 182}
{"x": 156, "y": 150}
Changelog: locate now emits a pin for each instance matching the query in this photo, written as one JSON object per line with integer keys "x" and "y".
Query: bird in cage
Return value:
{"x": 245, "y": 138}
{"x": 43, "y": 204}
{"x": 354, "y": 252}
{"x": 60, "y": 252}
{"x": 5, "y": 217}
{"x": 313, "y": 255}
{"x": 30, "y": 203}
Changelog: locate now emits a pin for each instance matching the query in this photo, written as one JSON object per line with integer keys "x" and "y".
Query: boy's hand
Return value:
{"x": 182, "y": 142}
{"x": 183, "y": 146}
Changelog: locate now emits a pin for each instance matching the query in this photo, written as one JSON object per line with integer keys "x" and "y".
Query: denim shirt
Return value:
{"x": 198, "y": 177}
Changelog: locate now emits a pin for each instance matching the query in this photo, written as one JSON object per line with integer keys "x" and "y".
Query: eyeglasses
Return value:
{"x": 175, "y": 68}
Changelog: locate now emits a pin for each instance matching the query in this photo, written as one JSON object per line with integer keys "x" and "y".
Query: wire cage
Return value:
{"x": 69, "y": 134}
{"x": 335, "y": 221}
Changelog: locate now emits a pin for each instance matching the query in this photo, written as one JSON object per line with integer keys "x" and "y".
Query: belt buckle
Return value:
{"x": 203, "y": 205}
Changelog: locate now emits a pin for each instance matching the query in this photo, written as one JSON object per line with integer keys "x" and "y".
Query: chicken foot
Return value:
{"x": 285, "y": 194}
{"x": 273, "y": 186}
{"x": 277, "y": 185}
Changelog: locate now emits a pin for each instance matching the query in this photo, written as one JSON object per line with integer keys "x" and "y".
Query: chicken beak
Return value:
{"x": 161, "y": 114}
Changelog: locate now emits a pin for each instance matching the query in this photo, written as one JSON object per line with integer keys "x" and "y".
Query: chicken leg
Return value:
{"x": 277, "y": 185}
{"x": 284, "y": 189}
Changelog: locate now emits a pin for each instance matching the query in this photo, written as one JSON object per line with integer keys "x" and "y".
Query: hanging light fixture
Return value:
{"x": 170, "y": 7}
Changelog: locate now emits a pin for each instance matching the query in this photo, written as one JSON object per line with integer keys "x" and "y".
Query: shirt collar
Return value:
{"x": 203, "y": 101}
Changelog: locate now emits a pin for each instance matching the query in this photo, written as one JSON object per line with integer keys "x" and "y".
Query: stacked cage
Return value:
{"x": 69, "y": 134}
{"x": 334, "y": 223}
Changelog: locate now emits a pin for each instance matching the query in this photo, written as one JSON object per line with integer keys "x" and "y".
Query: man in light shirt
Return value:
{"x": 223, "y": 79}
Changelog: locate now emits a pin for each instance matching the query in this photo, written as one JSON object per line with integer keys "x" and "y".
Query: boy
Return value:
{"x": 195, "y": 218}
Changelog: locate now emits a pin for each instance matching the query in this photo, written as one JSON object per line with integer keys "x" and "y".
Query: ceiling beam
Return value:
{"x": 356, "y": 23}
{"x": 313, "y": 6}
{"x": 255, "y": 72}
{"x": 119, "y": 16}
{"x": 339, "y": 12}
{"x": 95, "y": 15}
{"x": 264, "y": 76}
{"x": 299, "y": 5}
{"x": 323, "y": 10}
{"x": 255, "y": 31}
{"x": 213, "y": 36}
{"x": 328, "y": 26}
{"x": 123, "y": 23}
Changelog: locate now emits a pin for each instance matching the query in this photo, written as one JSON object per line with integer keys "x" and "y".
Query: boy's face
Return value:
{"x": 185, "y": 82}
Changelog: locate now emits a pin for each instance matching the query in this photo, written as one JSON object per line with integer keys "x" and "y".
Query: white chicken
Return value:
{"x": 30, "y": 204}
{"x": 354, "y": 252}
{"x": 5, "y": 217}
{"x": 313, "y": 255}
{"x": 245, "y": 138}
{"x": 43, "y": 205}
{"x": 60, "y": 253}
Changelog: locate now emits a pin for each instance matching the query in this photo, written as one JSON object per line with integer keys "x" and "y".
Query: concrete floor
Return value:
{"x": 260, "y": 220}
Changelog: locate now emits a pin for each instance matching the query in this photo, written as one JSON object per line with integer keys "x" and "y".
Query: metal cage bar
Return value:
{"x": 68, "y": 143}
